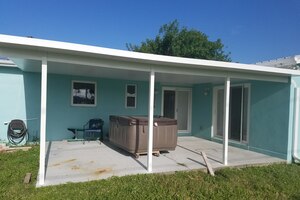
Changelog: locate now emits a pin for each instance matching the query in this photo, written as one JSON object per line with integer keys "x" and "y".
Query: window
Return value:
{"x": 83, "y": 93}
{"x": 130, "y": 95}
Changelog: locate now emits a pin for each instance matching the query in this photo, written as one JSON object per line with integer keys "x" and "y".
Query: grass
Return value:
{"x": 279, "y": 181}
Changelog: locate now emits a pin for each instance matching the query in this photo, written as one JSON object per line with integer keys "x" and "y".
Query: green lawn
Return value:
{"x": 278, "y": 181}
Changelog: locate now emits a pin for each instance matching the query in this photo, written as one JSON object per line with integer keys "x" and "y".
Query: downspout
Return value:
{"x": 296, "y": 121}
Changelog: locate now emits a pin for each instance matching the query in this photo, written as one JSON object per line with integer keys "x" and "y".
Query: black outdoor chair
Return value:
{"x": 17, "y": 132}
{"x": 93, "y": 129}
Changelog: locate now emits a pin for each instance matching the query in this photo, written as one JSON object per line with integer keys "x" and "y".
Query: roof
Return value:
{"x": 290, "y": 62}
{"x": 6, "y": 62}
{"x": 35, "y": 49}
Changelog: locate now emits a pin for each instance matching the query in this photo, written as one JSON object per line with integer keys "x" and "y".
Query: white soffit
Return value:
{"x": 123, "y": 74}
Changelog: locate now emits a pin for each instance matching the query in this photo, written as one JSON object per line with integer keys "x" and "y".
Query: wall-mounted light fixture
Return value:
{"x": 206, "y": 91}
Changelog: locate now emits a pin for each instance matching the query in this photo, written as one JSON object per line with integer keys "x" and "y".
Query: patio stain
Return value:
{"x": 66, "y": 161}
{"x": 182, "y": 164}
{"x": 75, "y": 167}
{"x": 100, "y": 171}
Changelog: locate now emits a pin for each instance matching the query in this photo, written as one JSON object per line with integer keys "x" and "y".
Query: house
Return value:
{"x": 56, "y": 85}
{"x": 290, "y": 62}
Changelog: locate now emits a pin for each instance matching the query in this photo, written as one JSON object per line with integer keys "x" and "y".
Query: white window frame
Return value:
{"x": 131, "y": 95}
{"x": 84, "y": 105}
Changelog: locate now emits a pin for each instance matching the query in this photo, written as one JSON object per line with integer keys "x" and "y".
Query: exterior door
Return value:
{"x": 169, "y": 104}
{"x": 177, "y": 105}
{"x": 182, "y": 111}
{"x": 238, "y": 112}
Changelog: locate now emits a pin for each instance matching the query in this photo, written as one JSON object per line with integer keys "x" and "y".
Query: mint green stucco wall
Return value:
{"x": 270, "y": 109}
{"x": 269, "y": 116}
{"x": 110, "y": 101}
{"x": 202, "y": 111}
{"x": 20, "y": 99}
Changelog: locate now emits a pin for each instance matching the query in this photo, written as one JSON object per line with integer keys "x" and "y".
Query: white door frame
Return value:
{"x": 214, "y": 112}
{"x": 189, "y": 117}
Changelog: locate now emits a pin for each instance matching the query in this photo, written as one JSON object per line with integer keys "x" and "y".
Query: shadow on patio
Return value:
{"x": 78, "y": 162}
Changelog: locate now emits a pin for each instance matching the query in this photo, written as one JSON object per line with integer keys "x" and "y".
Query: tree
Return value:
{"x": 173, "y": 40}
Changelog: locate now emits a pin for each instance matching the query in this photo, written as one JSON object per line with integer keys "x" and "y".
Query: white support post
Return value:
{"x": 226, "y": 120}
{"x": 150, "y": 120}
{"x": 296, "y": 123}
{"x": 43, "y": 121}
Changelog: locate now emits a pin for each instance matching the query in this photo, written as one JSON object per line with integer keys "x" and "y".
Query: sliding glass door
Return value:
{"x": 238, "y": 112}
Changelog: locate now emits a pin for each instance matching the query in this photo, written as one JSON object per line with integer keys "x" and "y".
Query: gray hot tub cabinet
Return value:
{"x": 131, "y": 133}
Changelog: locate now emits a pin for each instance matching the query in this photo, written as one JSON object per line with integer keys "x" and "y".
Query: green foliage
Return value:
{"x": 279, "y": 181}
{"x": 174, "y": 40}
{"x": 13, "y": 168}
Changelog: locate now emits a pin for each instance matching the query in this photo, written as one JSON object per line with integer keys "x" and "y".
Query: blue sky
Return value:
{"x": 252, "y": 30}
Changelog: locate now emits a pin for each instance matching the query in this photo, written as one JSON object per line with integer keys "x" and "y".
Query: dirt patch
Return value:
{"x": 102, "y": 171}
{"x": 92, "y": 161}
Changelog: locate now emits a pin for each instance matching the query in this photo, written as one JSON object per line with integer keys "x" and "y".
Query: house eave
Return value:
{"x": 36, "y": 49}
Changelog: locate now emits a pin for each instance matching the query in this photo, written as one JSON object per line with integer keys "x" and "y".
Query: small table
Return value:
{"x": 75, "y": 132}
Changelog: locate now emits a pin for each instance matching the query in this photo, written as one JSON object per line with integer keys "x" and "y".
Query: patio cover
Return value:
{"x": 45, "y": 56}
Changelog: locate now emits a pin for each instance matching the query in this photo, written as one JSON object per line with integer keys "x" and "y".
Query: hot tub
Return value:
{"x": 131, "y": 133}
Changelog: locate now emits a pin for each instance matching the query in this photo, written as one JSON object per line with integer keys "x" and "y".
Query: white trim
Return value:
{"x": 150, "y": 120}
{"x": 40, "y": 45}
{"x": 248, "y": 85}
{"x": 242, "y": 113}
{"x": 226, "y": 120}
{"x": 84, "y": 105}
{"x": 131, "y": 95}
{"x": 190, "y": 108}
{"x": 190, "y": 100}
{"x": 214, "y": 112}
{"x": 296, "y": 123}
{"x": 114, "y": 63}
{"x": 43, "y": 122}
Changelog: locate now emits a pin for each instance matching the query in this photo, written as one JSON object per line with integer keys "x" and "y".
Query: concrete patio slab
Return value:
{"x": 79, "y": 162}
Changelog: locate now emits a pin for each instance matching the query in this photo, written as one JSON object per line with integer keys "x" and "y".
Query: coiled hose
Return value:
{"x": 17, "y": 132}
